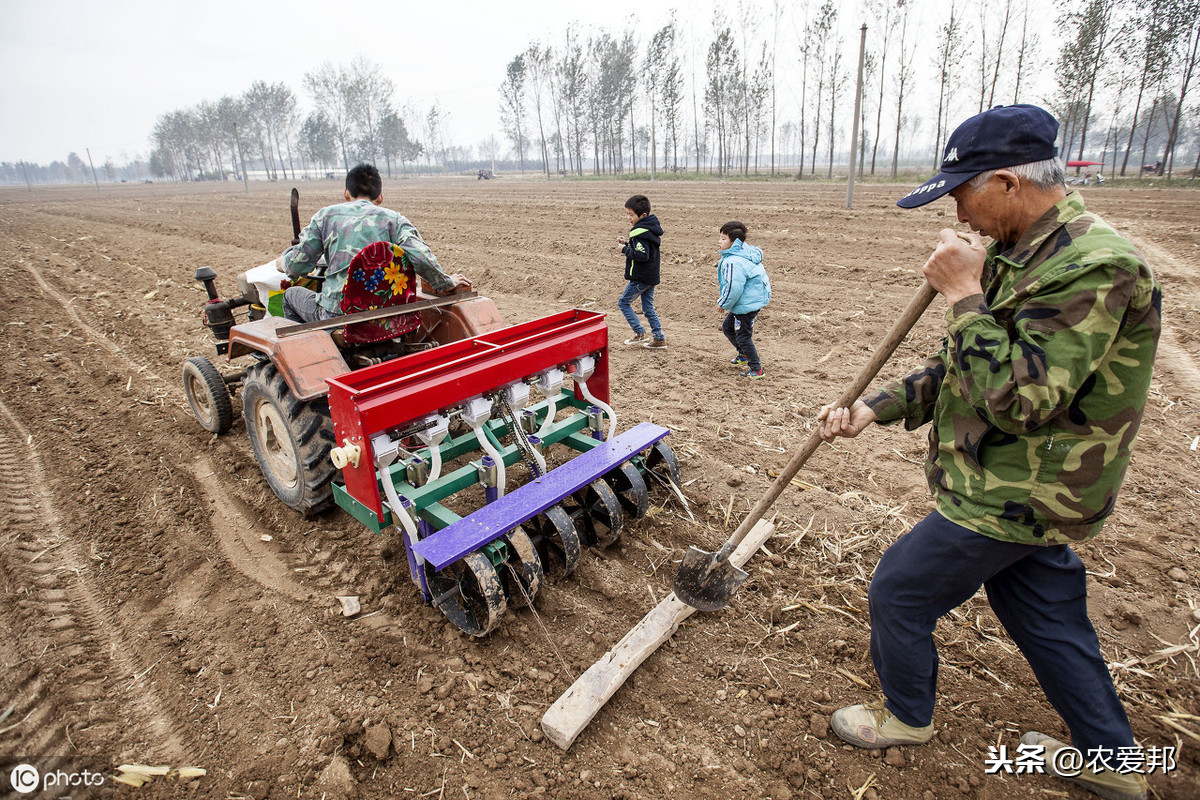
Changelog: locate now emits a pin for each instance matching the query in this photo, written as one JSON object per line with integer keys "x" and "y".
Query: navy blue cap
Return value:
{"x": 1000, "y": 137}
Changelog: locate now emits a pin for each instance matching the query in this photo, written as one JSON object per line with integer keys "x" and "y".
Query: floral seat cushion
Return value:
{"x": 380, "y": 276}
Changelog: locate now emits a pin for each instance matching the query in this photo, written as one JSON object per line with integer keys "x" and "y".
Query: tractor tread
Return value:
{"x": 220, "y": 406}
{"x": 312, "y": 436}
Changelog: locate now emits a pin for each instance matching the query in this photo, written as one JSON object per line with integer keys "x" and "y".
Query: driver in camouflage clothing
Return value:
{"x": 338, "y": 232}
{"x": 1034, "y": 402}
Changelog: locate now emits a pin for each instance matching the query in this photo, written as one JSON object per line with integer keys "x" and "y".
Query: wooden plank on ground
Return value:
{"x": 572, "y": 712}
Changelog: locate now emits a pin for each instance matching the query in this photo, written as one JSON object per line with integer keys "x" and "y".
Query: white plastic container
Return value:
{"x": 265, "y": 279}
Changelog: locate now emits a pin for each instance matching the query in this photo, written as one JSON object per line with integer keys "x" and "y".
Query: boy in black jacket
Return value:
{"x": 642, "y": 272}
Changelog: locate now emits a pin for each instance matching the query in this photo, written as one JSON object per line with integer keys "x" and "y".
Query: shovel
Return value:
{"x": 707, "y": 581}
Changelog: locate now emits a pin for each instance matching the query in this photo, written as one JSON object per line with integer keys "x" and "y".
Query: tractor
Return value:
{"x": 491, "y": 450}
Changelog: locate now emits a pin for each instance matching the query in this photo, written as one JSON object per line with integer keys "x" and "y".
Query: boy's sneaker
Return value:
{"x": 873, "y": 726}
{"x": 656, "y": 344}
{"x": 752, "y": 374}
{"x": 1106, "y": 783}
{"x": 739, "y": 360}
{"x": 638, "y": 338}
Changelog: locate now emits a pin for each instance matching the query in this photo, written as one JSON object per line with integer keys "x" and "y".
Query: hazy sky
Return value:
{"x": 97, "y": 75}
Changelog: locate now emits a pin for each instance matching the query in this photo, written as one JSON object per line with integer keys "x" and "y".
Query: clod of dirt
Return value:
{"x": 337, "y": 778}
{"x": 378, "y": 740}
{"x": 818, "y": 726}
{"x": 780, "y": 791}
{"x": 894, "y": 757}
{"x": 1131, "y": 613}
{"x": 1177, "y": 574}
{"x": 350, "y": 605}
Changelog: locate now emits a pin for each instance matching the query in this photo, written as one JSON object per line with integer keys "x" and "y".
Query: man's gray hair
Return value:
{"x": 1044, "y": 175}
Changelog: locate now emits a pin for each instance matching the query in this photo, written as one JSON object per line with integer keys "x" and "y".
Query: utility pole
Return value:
{"x": 93, "y": 166}
{"x": 27, "y": 184}
{"x": 862, "y": 51}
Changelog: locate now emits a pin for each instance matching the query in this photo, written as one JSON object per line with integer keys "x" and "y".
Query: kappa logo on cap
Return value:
{"x": 951, "y": 156}
{"x": 927, "y": 187}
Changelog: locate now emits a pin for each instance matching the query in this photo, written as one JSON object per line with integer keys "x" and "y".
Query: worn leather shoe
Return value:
{"x": 873, "y": 726}
{"x": 1106, "y": 783}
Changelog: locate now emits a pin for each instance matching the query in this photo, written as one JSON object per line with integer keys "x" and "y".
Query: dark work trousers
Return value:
{"x": 739, "y": 330}
{"x": 300, "y": 305}
{"x": 1040, "y": 596}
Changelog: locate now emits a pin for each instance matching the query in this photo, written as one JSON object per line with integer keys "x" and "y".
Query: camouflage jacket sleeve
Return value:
{"x": 1022, "y": 374}
{"x": 301, "y": 258}
{"x": 421, "y": 257}
{"x": 912, "y": 398}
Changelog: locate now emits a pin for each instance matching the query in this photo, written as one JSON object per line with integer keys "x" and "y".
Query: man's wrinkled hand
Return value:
{"x": 956, "y": 267}
{"x": 844, "y": 422}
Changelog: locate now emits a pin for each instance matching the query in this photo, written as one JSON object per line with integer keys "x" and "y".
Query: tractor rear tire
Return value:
{"x": 291, "y": 440}
{"x": 207, "y": 395}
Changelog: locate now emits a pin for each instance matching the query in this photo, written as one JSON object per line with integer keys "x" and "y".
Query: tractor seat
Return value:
{"x": 380, "y": 276}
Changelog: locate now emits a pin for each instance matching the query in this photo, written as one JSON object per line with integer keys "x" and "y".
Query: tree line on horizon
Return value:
{"x": 354, "y": 118}
{"x": 771, "y": 89}
{"x": 1123, "y": 77}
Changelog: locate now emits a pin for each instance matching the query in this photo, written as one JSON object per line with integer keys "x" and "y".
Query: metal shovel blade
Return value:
{"x": 705, "y": 582}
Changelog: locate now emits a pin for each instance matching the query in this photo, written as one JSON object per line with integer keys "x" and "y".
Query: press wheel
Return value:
{"x": 557, "y": 540}
{"x": 599, "y": 517}
{"x": 660, "y": 463}
{"x": 470, "y": 593}
{"x": 522, "y": 573}
{"x": 630, "y": 489}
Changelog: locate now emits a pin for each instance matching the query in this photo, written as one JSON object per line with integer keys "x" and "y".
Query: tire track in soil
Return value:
{"x": 98, "y": 337}
{"x": 94, "y": 657}
{"x": 239, "y": 537}
{"x": 237, "y": 532}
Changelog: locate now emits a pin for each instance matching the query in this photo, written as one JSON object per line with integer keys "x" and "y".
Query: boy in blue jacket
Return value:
{"x": 745, "y": 290}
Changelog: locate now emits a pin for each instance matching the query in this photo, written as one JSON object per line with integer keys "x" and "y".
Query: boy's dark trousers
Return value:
{"x": 739, "y": 330}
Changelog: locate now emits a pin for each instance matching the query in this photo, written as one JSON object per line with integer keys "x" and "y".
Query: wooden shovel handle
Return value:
{"x": 916, "y": 307}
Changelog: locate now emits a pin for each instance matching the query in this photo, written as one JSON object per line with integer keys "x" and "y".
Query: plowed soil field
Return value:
{"x": 159, "y": 605}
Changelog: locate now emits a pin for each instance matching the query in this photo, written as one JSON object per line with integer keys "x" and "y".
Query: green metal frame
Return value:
{"x": 426, "y": 499}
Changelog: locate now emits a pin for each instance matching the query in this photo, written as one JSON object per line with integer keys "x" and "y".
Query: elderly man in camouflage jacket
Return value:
{"x": 338, "y": 232}
{"x": 1034, "y": 402}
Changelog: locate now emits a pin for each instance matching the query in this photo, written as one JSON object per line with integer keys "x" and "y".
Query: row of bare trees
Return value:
{"x": 1119, "y": 58}
{"x": 355, "y": 119}
{"x": 768, "y": 87}
{"x": 1125, "y": 68}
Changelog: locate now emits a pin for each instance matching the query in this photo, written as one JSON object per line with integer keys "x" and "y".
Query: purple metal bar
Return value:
{"x": 495, "y": 519}
{"x": 424, "y": 529}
